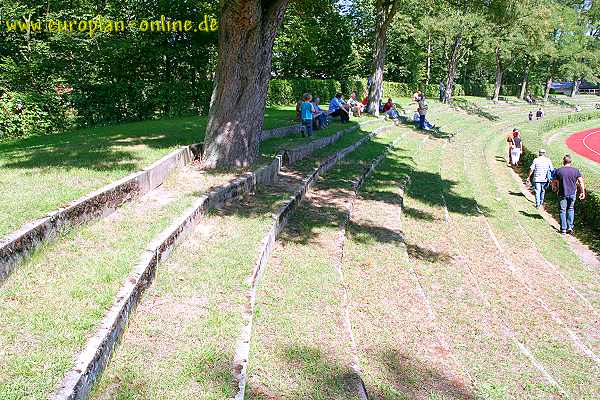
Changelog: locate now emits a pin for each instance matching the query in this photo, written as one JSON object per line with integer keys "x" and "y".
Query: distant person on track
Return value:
{"x": 566, "y": 180}
{"x": 530, "y": 116}
{"x": 540, "y": 168}
{"x": 517, "y": 148}
{"x": 306, "y": 113}
{"x": 539, "y": 113}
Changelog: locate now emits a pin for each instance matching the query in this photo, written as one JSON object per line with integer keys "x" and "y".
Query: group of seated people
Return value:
{"x": 529, "y": 98}
{"x": 313, "y": 117}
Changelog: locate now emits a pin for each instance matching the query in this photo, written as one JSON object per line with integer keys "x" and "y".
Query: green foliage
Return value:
{"x": 27, "y": 114}
{"x": 554, "y": 123}
{"x": 289, "y": 91}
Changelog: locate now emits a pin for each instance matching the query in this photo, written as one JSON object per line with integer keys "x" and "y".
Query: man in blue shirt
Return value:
{"x": 337, "y": 106}
{"x": 566, "y": 180}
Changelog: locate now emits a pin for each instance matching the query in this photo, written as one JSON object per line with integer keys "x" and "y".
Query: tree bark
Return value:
{"x": 548, "y": 87}
{"x": 452, "y": 68}
{"x": 247, "y": 32}
{"x": 525, "y": 80}
{"x": 385, "y": 12}
{"x": 575, "y": 90}
{"x": 499, "y": 73}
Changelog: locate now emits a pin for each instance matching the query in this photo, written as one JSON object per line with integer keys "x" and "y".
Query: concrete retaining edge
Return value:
{"x": 280, "y": 219}
{"x": 280, "y": 132}
{"x": 92, "y": 361}
{"x": 290, "y": 156}
{"x": 15, "y": 246}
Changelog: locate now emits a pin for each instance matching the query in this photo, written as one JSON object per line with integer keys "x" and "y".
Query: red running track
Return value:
{"x": 586, "y": 143}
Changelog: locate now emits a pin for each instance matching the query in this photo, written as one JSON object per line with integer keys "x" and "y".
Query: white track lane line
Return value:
{"x": 587, "y": 136}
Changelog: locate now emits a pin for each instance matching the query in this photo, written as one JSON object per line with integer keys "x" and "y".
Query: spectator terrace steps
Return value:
{"x": 22, "y": 243}
{"x": 78, "y": 382}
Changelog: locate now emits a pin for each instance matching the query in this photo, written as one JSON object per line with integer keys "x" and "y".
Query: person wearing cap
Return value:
{"x": 540, "y": 168}
{"x": 517, "y": 148}
{"x": 566, "y": 180}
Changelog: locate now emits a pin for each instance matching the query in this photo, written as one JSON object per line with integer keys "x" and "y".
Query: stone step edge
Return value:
{"x": 280, "y": 219}
{"x": 21, "y": 243}
{"x": 93, "y": 359}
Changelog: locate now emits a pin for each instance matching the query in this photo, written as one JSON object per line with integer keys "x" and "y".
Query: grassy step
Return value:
{"x": 299, "y": 348}
{"x": 208, "y": 271}
{"x": 91, "y": 261}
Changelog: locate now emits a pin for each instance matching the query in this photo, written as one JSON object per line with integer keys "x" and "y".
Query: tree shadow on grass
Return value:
{"x": 473, "y": 109}
{"x": 314, "y": 376}
{"x": 398, "y": 376}
{"x": 365, "y": 233}
{"x": 415, "y": 379}
{"x": 115, "y": 147}
{"x": 435, "y": 132}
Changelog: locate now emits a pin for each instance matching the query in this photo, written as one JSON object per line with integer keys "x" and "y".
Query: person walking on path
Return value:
{"x": 517, "y": 148}
{"x": 510, "y": 140}
{"x": 540, "y": 168}
{"x": 567, "y": 179}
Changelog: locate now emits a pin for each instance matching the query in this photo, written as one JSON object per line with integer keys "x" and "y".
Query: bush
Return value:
{"x": 357, "y": 85}
{"x": 29, "y": 114}
{"x": 280, "y": 92}
{"x": 397, "y": 89}
{"x": 289, "y": 91}
{"x": 554, "y": 123}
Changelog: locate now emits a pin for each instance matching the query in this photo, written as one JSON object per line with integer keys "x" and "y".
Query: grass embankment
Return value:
{"x": 544, "y": 265}
{"x": 53, "y": 301}
{"x": 300, "y": 348}
{"x": 40, "y": 174}
{"x": 181, "y": 341}
{"x": 91, "y": 262}
{"x": 475, "y": 298}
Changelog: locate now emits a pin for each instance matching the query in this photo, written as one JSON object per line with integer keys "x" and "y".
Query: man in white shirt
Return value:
{"x": 540, "y": 167}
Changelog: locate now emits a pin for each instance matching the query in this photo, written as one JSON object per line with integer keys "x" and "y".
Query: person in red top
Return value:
{"x": 390, "y": 110}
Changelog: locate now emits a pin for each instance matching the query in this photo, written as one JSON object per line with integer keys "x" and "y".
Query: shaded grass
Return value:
{"x": 42, "y": 173}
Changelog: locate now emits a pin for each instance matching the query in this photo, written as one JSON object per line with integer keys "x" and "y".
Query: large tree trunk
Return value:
{"x": 499, "y": 73}
{"x": 575, "y": 90}
{"x": 548, "y": 87}
{"x": 525, "y": 80}
{"x": 385, "y": 12}
{"x": 237, "y": 106}
{"x": 452, "y": 68}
